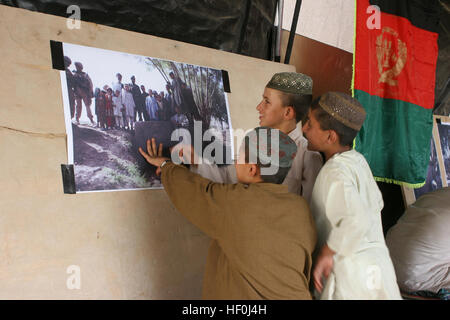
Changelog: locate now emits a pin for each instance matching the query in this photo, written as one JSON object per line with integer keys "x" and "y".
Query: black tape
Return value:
{"x": 68, "y": 178}
{"x": 226, "y": 81}
{"x": 57, "y": 53}
{"x": 438, "y": 120}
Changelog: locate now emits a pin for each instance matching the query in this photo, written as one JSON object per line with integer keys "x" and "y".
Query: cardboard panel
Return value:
{"x": 128, "y": 245}
{"x": 328, "y": 66}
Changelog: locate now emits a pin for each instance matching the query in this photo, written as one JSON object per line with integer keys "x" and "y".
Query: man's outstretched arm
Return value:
{"x": 200, "y": 200}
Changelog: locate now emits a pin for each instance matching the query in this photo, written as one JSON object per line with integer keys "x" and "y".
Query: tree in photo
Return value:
{"x": 197, "y": 91}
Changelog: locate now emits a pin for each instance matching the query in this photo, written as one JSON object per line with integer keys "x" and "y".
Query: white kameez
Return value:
{"x": 346, "y": 206}
{"x": 300, "y": 178}
{"x": 117, "y": 105}
{"x": 305, "y": 167}
{"x": 128, "y": 101}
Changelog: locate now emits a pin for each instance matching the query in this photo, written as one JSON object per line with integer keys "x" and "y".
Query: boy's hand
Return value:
{"x": 154, "y": 155}
{"x": 323, "y": 267}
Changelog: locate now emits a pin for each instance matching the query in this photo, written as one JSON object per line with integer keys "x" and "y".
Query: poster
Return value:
{"x": 444, "y": 134}
{"x": 434, "y": 180}
{"x": 114, "y": 101}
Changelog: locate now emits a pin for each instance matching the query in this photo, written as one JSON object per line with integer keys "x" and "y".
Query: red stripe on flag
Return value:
{"x": 397, "y": 61}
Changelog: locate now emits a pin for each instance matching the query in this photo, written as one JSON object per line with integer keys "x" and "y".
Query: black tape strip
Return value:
{"x": 226, "y": 81}
{"x": 68, "y": 178}
{"x": 438, "y": 120}
{"x": 56, "y": 49}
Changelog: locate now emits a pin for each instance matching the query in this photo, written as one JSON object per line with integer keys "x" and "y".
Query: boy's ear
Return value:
{"x": 333, "y": 137}
{"x": 289, "y": 112}
{"x": 253, "y": 170}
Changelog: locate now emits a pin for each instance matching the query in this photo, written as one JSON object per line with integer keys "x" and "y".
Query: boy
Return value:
{"x": 128, "y": 102}
{"x": 346, "y": 204}
{"x": 263, "y": 236}
{"x": 118, "y": 105}
{"x": 286, "y": 100}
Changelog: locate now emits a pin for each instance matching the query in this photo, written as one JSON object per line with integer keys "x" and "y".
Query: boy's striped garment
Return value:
{"x": 394, "y": 79}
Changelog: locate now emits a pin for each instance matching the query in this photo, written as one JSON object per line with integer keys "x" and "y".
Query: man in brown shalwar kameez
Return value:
{"x": 262, "y": 235}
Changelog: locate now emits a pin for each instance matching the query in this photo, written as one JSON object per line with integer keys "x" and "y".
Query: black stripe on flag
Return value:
{"x": 422, "y": 14}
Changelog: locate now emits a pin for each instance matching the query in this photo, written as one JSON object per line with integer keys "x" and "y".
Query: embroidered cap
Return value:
{"x": 291, "y": 82}
{"x": 263, "y": 144}
{"x": 344, "y": 108}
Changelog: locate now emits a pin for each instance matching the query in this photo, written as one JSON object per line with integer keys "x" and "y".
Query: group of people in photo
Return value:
{"x": 120, "y": 105}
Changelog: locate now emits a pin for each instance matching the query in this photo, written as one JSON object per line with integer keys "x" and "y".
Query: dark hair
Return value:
{"x": 67, "y": 61}
{"x": 276, "y": 178}
{"x": 327, "y": 122}
{"x": 300, "y": 103}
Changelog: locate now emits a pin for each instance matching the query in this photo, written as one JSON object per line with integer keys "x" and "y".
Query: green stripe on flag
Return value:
{"x": 395, "y": 139}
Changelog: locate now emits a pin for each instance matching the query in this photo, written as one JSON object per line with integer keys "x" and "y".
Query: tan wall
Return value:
{"x": 328, "y": 66}
{"x": 130, "y": 244}
{"x": 327, "y": 21}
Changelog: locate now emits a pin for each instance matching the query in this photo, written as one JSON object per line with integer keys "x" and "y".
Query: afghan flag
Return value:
{"x": 394, "y": 79}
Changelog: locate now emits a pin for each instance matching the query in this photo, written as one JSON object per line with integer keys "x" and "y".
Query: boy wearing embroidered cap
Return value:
{"x": 286, "y": 99}
{"x": 256, "y": 252}
{"x": 352, "y": 261}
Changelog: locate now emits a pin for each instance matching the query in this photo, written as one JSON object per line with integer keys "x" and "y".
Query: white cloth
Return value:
{"x": 300, "y": 178}
{"x": 151, "y": 106}
{"x": 305, "y": 167}
{"x": 119, "y": 121}
{"x": 180, "y": 120}
{"x": 420, "y": 243}
{"x": 128, "y": 101}
{"x": 117, "y": 86}
{"x": 346, "y": 206}
{"x": 117, "y": 105}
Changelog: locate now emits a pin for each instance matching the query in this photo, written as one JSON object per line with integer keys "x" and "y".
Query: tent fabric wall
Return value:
{"x": 237, "y": 26}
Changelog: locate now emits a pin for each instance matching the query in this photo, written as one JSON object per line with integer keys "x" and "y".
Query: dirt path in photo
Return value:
{"x": 106, "y": 160}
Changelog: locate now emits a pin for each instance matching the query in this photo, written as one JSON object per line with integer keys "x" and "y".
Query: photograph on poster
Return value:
{"x": 444, "y": 134}
{"x": 433, "y": 180}
{"x": 115, "y": 101}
